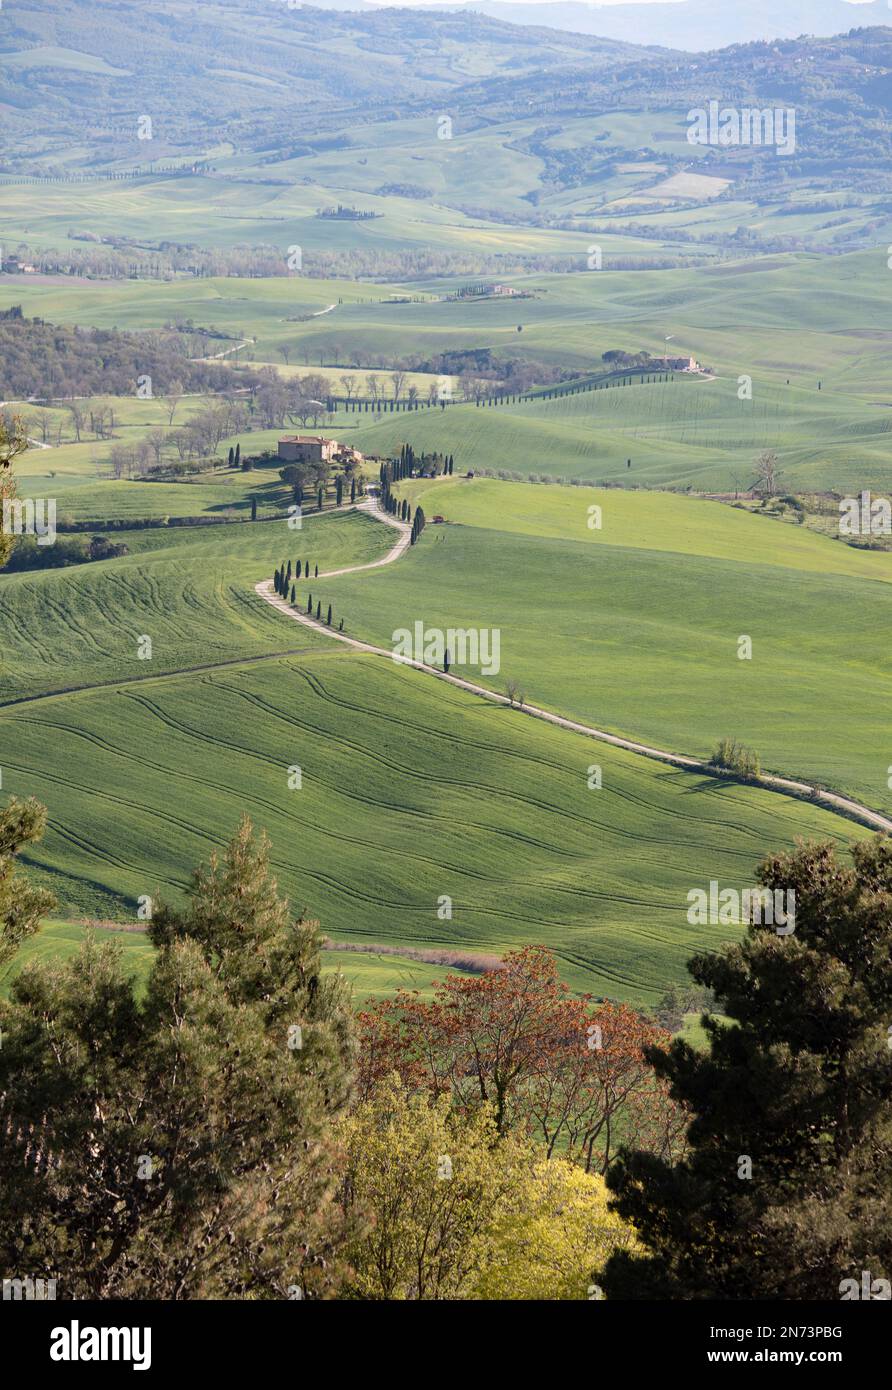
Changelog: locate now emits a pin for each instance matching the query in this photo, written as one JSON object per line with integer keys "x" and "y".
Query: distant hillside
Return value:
{"x": 88, "y": 70}
{"x": 694, "y": 25}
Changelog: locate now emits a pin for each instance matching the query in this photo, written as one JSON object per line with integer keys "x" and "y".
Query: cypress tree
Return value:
{"x": 238, "y": 454}
{"x": 319, "y": 611}
{"x": 310, "y": 604}
{"x": 253, "y": 508}
{"x": 292, "y": 595}
{"x": 328, "y": 619}
{"x": 316, "y": 572}
{"x": 319, "y": 499}
{"x": 231, "y": 456}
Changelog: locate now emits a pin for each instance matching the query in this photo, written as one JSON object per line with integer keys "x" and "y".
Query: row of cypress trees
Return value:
{"x": 282, "y": 576}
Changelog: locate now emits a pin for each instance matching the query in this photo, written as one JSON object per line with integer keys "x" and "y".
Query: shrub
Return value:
{"x": 734, "y": 757}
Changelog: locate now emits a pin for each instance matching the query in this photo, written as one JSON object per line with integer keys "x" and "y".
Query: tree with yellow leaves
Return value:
{"x": 451, "y": 1210}
{"x": 554, "y": 1236}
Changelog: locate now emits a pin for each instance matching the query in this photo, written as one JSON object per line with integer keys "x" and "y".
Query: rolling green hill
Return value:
{"x": 409, "y": 792}
{"x": 635, "y": 629}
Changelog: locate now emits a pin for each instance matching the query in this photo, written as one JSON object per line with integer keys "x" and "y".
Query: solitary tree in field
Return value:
{"x": 787, "y": 1188}
{"x": 767, "y": 473}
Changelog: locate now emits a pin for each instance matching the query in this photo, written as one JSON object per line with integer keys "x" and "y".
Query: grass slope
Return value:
{"x": 635, "y": 628}
{"x": 410, "y": 791}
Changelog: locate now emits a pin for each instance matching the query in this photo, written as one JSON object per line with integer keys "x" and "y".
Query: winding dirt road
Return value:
{"x": 785, "y": 785}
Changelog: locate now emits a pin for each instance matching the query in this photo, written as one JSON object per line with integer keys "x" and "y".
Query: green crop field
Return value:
{"x": 410, "y": 792}
{"x": 635, "y": 628}
{"x": 190, "y": 590}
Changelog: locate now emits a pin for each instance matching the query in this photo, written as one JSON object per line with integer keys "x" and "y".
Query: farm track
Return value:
{"x": 787, "y": 786}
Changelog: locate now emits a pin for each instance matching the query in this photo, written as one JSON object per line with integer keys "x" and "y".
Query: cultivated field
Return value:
{"x": 635, "y": 628}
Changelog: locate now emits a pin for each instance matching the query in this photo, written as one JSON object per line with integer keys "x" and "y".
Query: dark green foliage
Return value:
{"x": 801, "y": 1085}
{"x": 177, "y": 1147}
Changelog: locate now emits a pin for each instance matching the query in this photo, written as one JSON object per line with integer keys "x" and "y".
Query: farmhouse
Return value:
{"x": 315, "y": 448}
{"x": 682, "y": 364}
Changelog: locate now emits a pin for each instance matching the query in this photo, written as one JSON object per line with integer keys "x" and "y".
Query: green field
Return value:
{"x": 806, "y": 331}
{"x": 410, "y": 791}
{"x": 190, "y": 590}
{"x": 634, "y": 628}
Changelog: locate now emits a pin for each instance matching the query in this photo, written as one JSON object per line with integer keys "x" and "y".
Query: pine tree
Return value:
{"x": 22, "y": 907}
{"x": 786, "y": 1189}
{"x": 187, "y": 1133}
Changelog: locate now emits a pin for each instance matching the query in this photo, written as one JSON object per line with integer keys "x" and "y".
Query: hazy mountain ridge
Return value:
{"x": 694, "y": 25}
